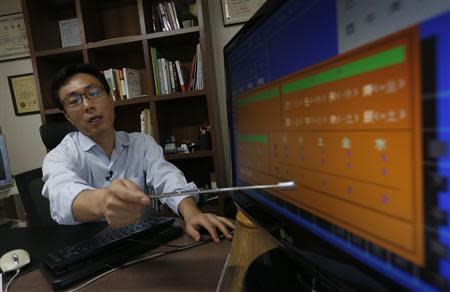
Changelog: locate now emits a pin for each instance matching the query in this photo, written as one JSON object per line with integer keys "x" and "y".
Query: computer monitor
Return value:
{"x": 351, "y": 99}
{"x": 5, "y": 172}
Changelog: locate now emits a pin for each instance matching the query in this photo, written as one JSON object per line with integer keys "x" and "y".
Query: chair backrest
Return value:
{"x": 37, "y": 208}
{"x": 52, "y": 133}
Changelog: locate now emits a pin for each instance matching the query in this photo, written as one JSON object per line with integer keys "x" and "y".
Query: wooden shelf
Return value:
{"x": 136, "y": 100}
{"x": 115, "y": 41}
{"x": 178, "y": 95}
{"x": 59, "y": 51}
{"x": 53, "y": 111}
{"x": 173, "y": 33}
{"x": 190, "y": 155}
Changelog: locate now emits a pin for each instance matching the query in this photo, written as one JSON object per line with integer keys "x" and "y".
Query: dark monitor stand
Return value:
{"x": 274, "y": 271}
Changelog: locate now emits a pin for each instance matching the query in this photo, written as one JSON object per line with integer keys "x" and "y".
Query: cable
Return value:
{"x": 136, "y": 261}
{"x": 148, "y": 242}
{"x": 10, "y": 280}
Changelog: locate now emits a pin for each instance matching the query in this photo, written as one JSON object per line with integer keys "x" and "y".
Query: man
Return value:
{"x": 99, "y": 173}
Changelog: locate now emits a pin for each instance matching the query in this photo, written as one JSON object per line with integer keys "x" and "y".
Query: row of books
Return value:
{"x": 165, "y": 16}
{"x": 124, "y": 83}
{"x": 169, "y": 75}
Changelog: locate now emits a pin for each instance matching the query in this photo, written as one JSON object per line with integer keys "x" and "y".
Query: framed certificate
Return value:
{"x": 24, "y": 94}
{"x": 70, "y": 32}
{"x": 238, "y": 11}
{"x": 13, "y": 37}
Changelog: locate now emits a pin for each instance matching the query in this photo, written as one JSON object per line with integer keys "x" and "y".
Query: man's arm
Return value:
{"x": 121, "y": 203}
{"x": 196, "y": 220}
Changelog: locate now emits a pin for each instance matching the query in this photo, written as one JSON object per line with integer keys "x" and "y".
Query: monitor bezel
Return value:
{"x": 7, "y": 182}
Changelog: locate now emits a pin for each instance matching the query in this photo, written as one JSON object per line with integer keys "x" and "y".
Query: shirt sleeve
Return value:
{"x": 62, "y": 184}
{"x": 164, "y": 177}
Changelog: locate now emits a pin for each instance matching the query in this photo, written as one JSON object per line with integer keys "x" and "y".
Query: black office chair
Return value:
{"x": 29, "y": 184}
{"x": 52, "y": 133}
{"x": 37, "y": 208}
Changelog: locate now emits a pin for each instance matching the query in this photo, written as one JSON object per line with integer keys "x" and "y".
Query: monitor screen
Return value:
{"x": 351, "y": 99}
{"x": 5, "y": 173}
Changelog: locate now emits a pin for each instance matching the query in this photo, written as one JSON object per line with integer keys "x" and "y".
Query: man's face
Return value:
{"x": 93, "y": 116}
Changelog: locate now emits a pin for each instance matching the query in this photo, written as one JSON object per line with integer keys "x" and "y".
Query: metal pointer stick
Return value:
{"x": 288, "y": 185}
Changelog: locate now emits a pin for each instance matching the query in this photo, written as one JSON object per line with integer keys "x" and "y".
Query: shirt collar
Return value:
{"x": 121, "y": 139}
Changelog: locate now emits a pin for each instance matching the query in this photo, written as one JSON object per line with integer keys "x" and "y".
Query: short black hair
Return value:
{"x": 68, "y": 71}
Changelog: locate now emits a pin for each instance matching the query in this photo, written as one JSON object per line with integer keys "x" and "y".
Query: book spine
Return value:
{"x": 164, "y": 17}
{"x": 161, "y": 78}
{"x": 172, "y": 76}
{"x": 169, "y": 15}
{"x": 155, "y": 70}
{"x": 191, "y": 74}
{"x": 177, "y": 22}
{"x": 180, "y": 76}
{"x": 110, "y": 80}
{"x": 141, "y": 116}
{"x": 172, "y": 15}
{"x": 118, "y": 84}
{"x": 164, "y": 75}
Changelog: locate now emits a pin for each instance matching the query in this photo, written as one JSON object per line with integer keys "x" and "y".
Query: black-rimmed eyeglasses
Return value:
{"x": 75, "y": 99}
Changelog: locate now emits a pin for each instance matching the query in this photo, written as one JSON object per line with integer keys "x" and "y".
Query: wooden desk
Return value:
{"x": 196, "y": 269}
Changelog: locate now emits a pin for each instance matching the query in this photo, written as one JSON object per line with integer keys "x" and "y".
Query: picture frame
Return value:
{"x": 13, "y": 37}
{"x": 239, "y": 11}
{"x": 70, "y": 32}
{"x": 24, "y": 94}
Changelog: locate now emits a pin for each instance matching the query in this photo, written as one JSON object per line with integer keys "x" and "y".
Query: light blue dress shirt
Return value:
{"x": 78, "y": 164}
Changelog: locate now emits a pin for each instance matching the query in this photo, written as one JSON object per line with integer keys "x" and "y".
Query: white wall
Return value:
{"x": 25, "y": 149}
{"x": 220, "y": 36}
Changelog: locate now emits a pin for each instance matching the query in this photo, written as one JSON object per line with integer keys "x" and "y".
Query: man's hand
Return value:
{"x": 121, "y": 203}
{"x": 196, "y": 220}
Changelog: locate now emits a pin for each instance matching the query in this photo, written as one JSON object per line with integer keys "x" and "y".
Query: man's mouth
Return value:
{"x": 94, "y": 119}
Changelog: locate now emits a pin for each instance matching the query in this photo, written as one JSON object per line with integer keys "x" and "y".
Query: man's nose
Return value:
{"x": 87, "y": 103}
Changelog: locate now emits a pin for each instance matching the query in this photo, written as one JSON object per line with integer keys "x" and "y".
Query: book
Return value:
{"x": 109, "y": 78}
{"x": 191, "y": 74}
{"x": 132, "y": 82}
{"x": 172, "y": 77}
{"x": 146, "y": 122}
{"x": 153, "y": 54}
{"x": 165, "y": 20}
{"x": 177, "y": 22}
{"x": 180, "y": 76}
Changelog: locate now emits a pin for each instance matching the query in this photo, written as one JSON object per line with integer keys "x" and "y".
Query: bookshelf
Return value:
{"x": 121, "y": 33}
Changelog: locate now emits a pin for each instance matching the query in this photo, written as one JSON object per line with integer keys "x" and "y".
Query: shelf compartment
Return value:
{"x": 172, "y": 50}
{"x": 44, "y": 17}
{"x": 181, "y": 7}
{"x": 181, "y": 118}
{"x": 48, "y": 66}
{"x": 106, "y": 19}
{"x": 113, "y": 56}
{"x": 128, "y": 117}
{"x": 190, "y": 169}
